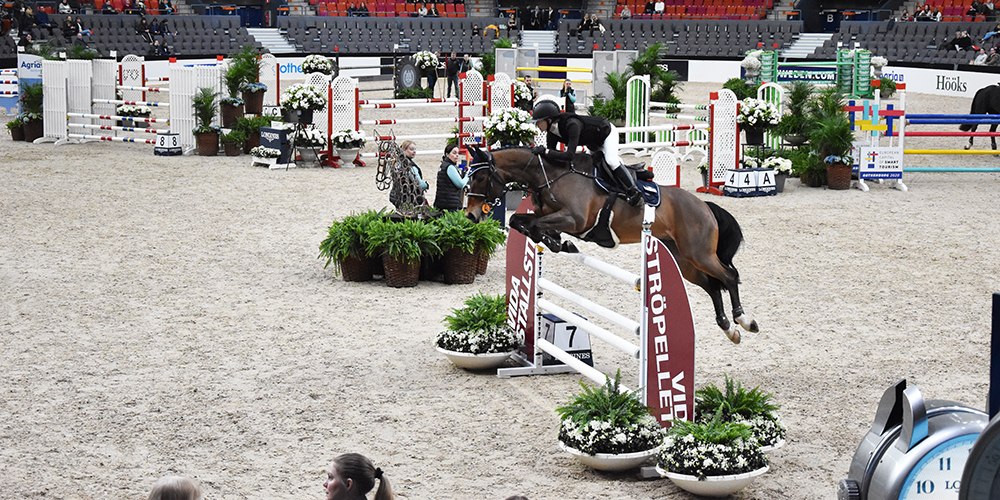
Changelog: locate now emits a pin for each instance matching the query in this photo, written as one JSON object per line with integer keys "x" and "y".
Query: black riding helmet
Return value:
{"x": 544, "y": 110}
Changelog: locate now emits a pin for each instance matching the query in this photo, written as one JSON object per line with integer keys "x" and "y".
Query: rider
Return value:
{"x": 594, "y": 132}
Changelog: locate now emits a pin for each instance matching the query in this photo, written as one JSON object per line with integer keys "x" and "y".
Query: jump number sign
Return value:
{"x": 567, "y": 337}
{"x": 167, "y": 141}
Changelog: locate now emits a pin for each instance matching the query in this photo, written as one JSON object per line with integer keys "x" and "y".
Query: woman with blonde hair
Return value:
{"x": 351, "y": 476}
{"x": 175, "y": 488}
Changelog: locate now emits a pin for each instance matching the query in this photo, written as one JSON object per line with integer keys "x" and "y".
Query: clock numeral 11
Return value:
{"x": 944, "y": 463}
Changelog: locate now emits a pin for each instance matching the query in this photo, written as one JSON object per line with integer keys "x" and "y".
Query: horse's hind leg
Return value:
{"x": 993, "y": 139}
{"x": 969, "y": 146}
{"x": 712, "y": 286}
{"x": 749, "y": 324}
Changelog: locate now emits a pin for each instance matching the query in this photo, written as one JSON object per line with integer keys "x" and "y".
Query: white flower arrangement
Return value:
{"x": 710, "y": 449}
{"x": 492, "y": 340}
{"x": 510, "y": 126}
{"x": 265, "y": 152}
{"x": 523, "y": 96}
{"x": 703, "y": 165}
{"x": 303, "y": 97}
{"x": 606, "y": 420}
{"x": 130, "y": 110}
{"x": 348, "y": 139}
{"x": 309, "y": 137}
{"x": 769, "y": 430}
{"x": 878, "y": 61}
{"x": 757, "y": 113}
{"x": 779, "y": 164}
{"x": 749, "y": 162}
{"x": 317, "y": 64}
{"x": 426, "y": 59}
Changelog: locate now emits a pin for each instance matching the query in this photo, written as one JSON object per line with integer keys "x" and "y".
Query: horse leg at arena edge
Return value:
{"x": 993, "y": 140}
{"x": 713, "y": 287}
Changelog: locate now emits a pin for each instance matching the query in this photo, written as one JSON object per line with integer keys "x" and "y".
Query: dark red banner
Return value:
{"x": 521, "y": 273}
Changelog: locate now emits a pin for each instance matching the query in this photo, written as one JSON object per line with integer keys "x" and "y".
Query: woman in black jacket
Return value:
{"x": 450, "y": 182}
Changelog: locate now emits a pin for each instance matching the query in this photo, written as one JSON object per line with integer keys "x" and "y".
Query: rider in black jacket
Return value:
{"x": 594, "y": 132}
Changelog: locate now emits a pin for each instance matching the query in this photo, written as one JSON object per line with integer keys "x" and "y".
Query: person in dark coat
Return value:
{"x": 450, "y": 182}
{"x": 454, "y": 67}
{"x": 42, "y": 21}
{"x": 569, "y": 95}
{"x": 594, "y": 132}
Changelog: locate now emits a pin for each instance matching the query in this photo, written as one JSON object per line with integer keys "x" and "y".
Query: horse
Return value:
{"x": 702, "y": 236}
{"x": 985, "y": 102}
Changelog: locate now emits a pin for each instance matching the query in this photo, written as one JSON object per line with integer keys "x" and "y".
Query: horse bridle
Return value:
{"x": 492, "y": 171}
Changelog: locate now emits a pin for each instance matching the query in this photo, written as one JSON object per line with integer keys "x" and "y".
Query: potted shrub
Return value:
{"x": 133, "y": 111}
{"x": 510, "y": 127}
{"x": 831, "y": 137}
{"x": 348, "y": 144}
{"x": 755, "y": 116}
{"x": 614, "y": 108}
{"x": 234, "y": 78}
{"x": 251, "y": 129}
{"x": 740, "y": 88}
{"x": 703, "y": 170}
{"x": 307, "y": 141}
{"x": 782, "y": 169}
{"x": 487, "y": 237}
{"x": 252, "y": 90}
{"x": 299, "y": 102}
{"x": 793, "y": 126}
{"x": 206, "y": 134}
{"x": 31, "y": 111}
{"x": 401, "y": 246}
{"x": 478, "y": 336}
{"x": 263, "y": 155}
{"x": 346, "y": 245}
{"x": 14, "y": 127}
{"x": 662, "y": 82}
{"x": 232, "y": 142}
{"x": 608, "y": 429}
{"x": 455, "y": 238}
{"x": 886, "y": 87}
{"x": 317, "y": 64}
{"x": 736, "y": 404}
{"x": 711, "y": 458}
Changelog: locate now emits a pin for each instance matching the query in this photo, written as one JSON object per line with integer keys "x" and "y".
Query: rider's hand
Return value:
{"x": 538, "y": 150}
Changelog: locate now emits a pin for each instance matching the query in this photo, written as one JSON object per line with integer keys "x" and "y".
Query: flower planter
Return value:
{"x": 17, "y": 134}
{"x": 253, "y": 102}
{"x": 611, "y": 461}
{"x": 795, "y": 140}
{"x": 459, "y": 267}
{"x": 475, "y": 361}
{"x": 303, "y": 116}
{"x": 482, "y": 261}
{"x": 308, "y": 156}
{"x": 231, "y": 148}
{"x": 399, "y": 274}
{"x": 754, "y": 135}
{"x": 713, "y": 486}
{"x": 838, "y": 176}
{"x": 356, "y": 269}
{"x": 266, "y": 162}
{"x": 135, "y": 123}
{"x": 230, "y": 114}
{"x": 779, "y": 182}
{"x": 775, "y": 446}
{"x": 208, "y": 144}
{"x": 253, "y": 140}
{"x": 347, "y": 157}
{"x": 33, "y": 130}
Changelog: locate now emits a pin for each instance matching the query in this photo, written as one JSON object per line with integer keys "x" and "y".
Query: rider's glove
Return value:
{"x": 538, "y": 150}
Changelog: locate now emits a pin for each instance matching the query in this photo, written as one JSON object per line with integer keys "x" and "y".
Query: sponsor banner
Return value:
{"x": 814, "y": 74}
{"x": 880, "y": 163}
{"x": 668, "y": 336}
{"x": 941, "y": 82}
{"x": 521, "y": 271}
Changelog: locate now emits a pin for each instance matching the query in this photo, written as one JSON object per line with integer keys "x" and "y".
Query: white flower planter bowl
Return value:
{"x": 609, "y": 461}
{"x": 713, "y": 486}
{"x": 773, "y": 447}
{"x": 475, "y": 361}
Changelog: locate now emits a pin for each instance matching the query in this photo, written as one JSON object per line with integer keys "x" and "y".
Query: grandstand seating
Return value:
{"x": 699, "y": 9}
{"x": 375, "y": 35}
{"x": 386, "y": 8}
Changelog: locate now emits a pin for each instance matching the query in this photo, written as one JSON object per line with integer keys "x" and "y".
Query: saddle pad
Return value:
{"x": 650, "y": 190}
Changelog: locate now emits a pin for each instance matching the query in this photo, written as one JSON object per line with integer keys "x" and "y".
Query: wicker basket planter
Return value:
{"x": 356, "y": 269}
{"x": 230, "y": 114}
{"x": 208, "y": 144}
{"x": 33, "y": 130}
{"x": 483, "y": 260}
{"x": 253, "y": 102}
{"x": 838, "y": 176}
{"x": 17, "y": 134}
{"x": 399, "y": 273}
{"x": 460, "y": 266}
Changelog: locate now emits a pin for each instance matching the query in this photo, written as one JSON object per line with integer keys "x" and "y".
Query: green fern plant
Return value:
{"x": 605, "y": 403}
{"x": 487, "y": 236}
{"x": 735, "y": 400}
{"x": 481, "y": 312}
{"x": 407, "y": 241}
{"x": 455, "y": 230}
{"x": 614, "y": 108}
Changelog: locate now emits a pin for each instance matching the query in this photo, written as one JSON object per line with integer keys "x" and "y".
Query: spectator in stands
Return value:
{"x": 79, "y": 40}
{"x": 142, "y": 29}
{"x": 363, "y": 10}
{"x": 569, "y": 96}
{"x": 974, "y": 9}
{"x": 157, "y": 49}
{"x": 543, "y": 18}
{"x": 980, "y": 59}
{"x": 993, "y": 59}
{"x": 352, "y": 10}
{"x": 127, "y": 6}
{"x": 962, "y": 41}
{"x": 64, "y": 7}
{"x": 175, "y": 488}
{"x": 422, "y": 11}
{"x": 585, "y": 24}
{"x": 139, "y": 8}
{"x": 433, "y": 11}
{"x": 626, "y": 13}
{"x": 650, "y": 7}
{"x": 42, "y": 20}
{"x": 988, "y": 8}
{"x": 659, "y": 7}
{"x": 511, "y": 24}
{"x": 595, "y": 23}
{"x": 553, "y": 19}
{"x": 936, "y": 15}
{"x": 69, "y": 29}
{"x": 905, "y": 16}
{"x": 108, "y": 8}
{"x": 166, "y": 7}
{"x": 165, "y": 28}
{"x": 25, "y": 41}
{"x": 80, "y": 28}
{"x": 533, "y": 18}
{"x": 455, "y": 66}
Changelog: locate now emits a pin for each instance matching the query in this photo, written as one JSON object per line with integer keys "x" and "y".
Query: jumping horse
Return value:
{"x": 985, "y": 102}
{"x": 702, "y": 236}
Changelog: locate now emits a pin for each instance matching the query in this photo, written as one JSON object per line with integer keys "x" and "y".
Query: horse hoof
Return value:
{"x": 569, "y": 247}
{"x": 749, "y": 325}
{"x": 733, "y": 335}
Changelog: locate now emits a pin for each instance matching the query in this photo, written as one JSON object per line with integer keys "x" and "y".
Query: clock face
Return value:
{"x": 938, "y": 475}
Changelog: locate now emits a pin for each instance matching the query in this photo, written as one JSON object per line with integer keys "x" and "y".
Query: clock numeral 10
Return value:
{"x": 927, "y": 487}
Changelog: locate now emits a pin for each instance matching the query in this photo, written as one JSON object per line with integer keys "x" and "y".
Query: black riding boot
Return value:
{"x": 627, "y": 182}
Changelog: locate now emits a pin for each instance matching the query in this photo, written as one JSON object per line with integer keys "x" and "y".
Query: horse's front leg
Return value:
{"x": 558, "y": 222}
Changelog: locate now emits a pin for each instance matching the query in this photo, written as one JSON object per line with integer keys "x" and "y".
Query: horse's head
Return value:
{"x": 486, "y": 185}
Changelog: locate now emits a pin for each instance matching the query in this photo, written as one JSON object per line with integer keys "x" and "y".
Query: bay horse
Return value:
{"x": 702, "y": 236}
{"x": 985, "y": 102}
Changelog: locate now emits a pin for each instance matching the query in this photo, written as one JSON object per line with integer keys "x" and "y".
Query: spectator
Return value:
{"x": 626, "y": 13}
{"x": 585, "y": 24}
{"x": 139, "y": 8}
{"x": 80, "y": 40}
{"x": 80, "y": 28}
{"x": 433, "y": 11}
{"x": 158, "y": 49}
{"x": 69, "y": 29}
{"x": 569, "y": 96}
{"x": 595, "y": 23}
{"x": 363, "y": 10}
{"x": 973, "y": 9}
{"x": 454, "y": 67}
{"x": 543, "y": 18}
{"x": 352, "y": 476}
{"x": 650, "y": 7}
{"x": 988, "y": 8}
{"x": 165, "y": 28}
{"x": 154, "y": 27}
{"x": 352, "y": 11}
{"x": 25, "y": 41}
{"x": 166, "y": 7}
{"x": 962, "y": 41}
{"x": 64, "y": 7}
{"x": 980, "y": 59}
{"x": 422, "y": 11}
{"x": 127, "y": 6}
{"x": 42, "y": 21}
{"x": 450, "y": 181}
{"x": 658, "y": 8}
{"x": 936, "y": 15}
{"x": 142, "y": 29}
{"x": 993, "y": 59}
{"x": 553, "y": 19}
{"x": 533, "y": 18}
{"x": 511, "y": 23}
{"x": 905, "y": 16}
{"x": 175, "y": 488}
{"x": 107, "y": 8}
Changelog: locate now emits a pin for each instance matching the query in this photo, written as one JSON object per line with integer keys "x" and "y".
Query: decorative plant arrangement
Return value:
{"x": 756, "y": 113}
{"x": 32, "y": 98}
{"x": 878, "y": 63}
{"x": 782, "y": 169}
{"x": 426, "y": 59}
{"x": 886, "y": 87}
{"x": 831, "y": 137}
{"x": 455, "y": 237}
{"x": 233, "y": 141}
{"x": 612, "y": 108}
{"x": 739, "y": 405}
{"x": 309, "y": 138}
{"x": 479, "y": 328}
{"x": 348, "y": 139}
{"x": 14, "y": 127}
{"x": 401, "y": 246}
{"x": 251, "y": 129}
{"x": 207, "y": 135}
{"x": 299, "y": 102}
{"x": 523, "y": 98}
{"x": 662, "y": 83}
{"x": 794, "y": 125}
{"x": 487, "y": 237}
{"x": 255, "y": 88}
{"x": 346, "y": 245}
{"x": 510, "y": 127}
{"x": 130, "y": 110}
{"x": 605, "y": 421}
{"x": 317, "y": 64}
{"x": 265, "y": 152}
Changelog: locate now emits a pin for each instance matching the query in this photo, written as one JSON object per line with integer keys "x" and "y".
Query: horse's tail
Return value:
{"x": 730, "y": 234}
{"x": 978, "y": 106}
